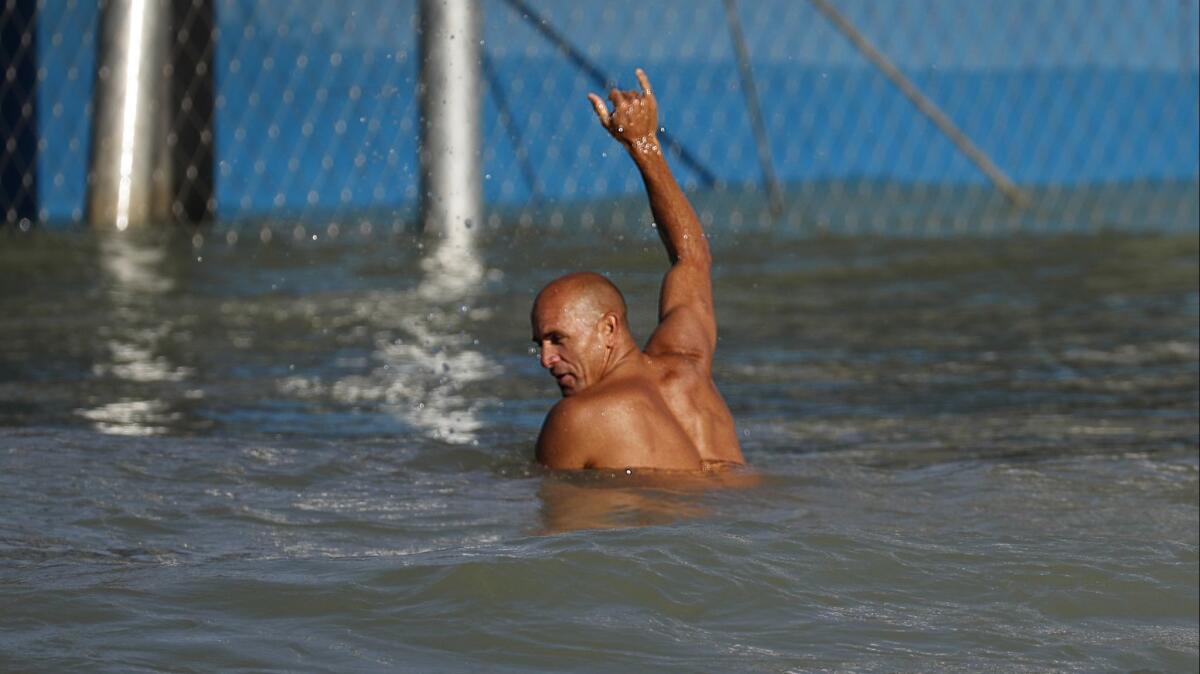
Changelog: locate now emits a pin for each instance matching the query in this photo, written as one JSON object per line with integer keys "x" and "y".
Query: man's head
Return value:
{"x": 579, "y": 325}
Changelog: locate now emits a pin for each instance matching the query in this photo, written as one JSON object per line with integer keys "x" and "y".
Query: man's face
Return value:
{"x": 571, "y": 343}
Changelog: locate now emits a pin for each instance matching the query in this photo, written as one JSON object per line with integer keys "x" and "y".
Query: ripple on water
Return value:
{"x": 963, "y": 464}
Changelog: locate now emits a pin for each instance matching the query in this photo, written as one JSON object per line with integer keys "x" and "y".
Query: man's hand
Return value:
{"x": 634, "y": 118}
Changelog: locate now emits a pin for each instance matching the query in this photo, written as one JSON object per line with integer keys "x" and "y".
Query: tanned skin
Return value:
{"x": 625, "y": 407}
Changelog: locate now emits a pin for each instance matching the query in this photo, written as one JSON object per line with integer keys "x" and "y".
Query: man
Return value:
{"x": 623, "y": 407}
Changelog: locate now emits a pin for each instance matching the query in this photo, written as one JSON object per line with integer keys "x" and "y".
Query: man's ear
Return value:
{"x": 609, "y": 323}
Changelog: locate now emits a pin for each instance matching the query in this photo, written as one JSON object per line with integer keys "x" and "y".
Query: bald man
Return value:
{"x": 625, "y": 407}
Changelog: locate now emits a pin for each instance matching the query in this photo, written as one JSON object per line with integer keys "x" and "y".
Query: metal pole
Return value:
{"x": 187, "y": 159}
{"x": 926, "y": 106}
{"x": 18, "y": 113}
{"x": 449, "y": 94}
{"x": 151, "y": 151}
{"x": 132, "y": 40}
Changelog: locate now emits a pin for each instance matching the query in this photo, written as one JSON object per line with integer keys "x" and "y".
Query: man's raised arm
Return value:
{"x": 686, "y": 323}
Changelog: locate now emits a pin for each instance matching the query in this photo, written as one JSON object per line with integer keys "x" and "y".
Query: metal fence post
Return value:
{"x": 449, "y": 94}
{"x": 18, "y": 113}
{"x": 189, "y": 107}
{"x": 148, "y": 163}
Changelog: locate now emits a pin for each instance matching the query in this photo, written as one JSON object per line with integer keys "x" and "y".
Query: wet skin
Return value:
{"x": 625, "y": 407}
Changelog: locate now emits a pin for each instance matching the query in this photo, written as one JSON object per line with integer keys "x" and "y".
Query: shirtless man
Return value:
{"x": 625, "y": 407}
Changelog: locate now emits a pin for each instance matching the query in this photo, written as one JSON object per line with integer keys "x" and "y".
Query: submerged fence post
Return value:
{"x": 18, "y": 113}
{"x": 139, "y": 171}
{"x": 449, "y": 94}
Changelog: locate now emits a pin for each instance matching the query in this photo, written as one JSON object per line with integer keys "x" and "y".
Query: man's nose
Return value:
{"x": 549, "y": 357}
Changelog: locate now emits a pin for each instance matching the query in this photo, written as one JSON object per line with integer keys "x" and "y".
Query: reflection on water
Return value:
{"x": 411, "y": 353}
{"x": 136, "y": 266}
{"x": 569, "y": 506}
{"x": 131, "y": 417}
{"x": 133, "y": 357}
{"x": 136, "y": 274}
{"x": 606, "y": 500}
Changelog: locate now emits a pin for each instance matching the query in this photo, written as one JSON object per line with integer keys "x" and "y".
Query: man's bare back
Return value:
{"x": 624, "y": 407}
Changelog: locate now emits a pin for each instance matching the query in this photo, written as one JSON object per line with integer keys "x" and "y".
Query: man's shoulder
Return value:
{"x": 583, "y": 428}
{"x": 568, "y": 410}
{"x": 573, "y": 432}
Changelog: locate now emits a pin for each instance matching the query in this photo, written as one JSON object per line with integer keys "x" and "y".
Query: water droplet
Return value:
{"x": 620, "y": 129}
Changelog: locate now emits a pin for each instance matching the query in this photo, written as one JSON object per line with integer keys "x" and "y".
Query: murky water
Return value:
{"x": 315, "y": 455}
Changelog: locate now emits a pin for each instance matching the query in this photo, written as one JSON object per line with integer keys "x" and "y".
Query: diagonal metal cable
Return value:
{"x": 925, "y": 105}
{"x": 754, "y": 109}
{"x": 602, "y": 80}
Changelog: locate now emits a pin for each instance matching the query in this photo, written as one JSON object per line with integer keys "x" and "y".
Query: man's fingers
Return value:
{"x": 616, "y": 96}
{"x": 644, "y": 81}
{"x": 601, "y": 108}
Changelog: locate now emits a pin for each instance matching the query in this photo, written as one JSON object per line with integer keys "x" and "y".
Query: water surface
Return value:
{"x": 315, "y": 455}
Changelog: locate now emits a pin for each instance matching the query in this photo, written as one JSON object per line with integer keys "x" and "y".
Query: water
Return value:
{"x": 311, "y": 456}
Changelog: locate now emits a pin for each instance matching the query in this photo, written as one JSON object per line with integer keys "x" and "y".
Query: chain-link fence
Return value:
{"x": 1089, "y": 107}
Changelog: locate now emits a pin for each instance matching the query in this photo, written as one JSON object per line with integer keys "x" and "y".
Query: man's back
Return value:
{"x": 688, "y": 389}
{"x": 651, "y": 412}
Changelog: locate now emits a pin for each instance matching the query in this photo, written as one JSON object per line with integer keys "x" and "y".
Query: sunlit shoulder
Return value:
{"x": 564, "y": 440}
{"x": 591, "y": 430}
{"x": 616, "y": 425}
